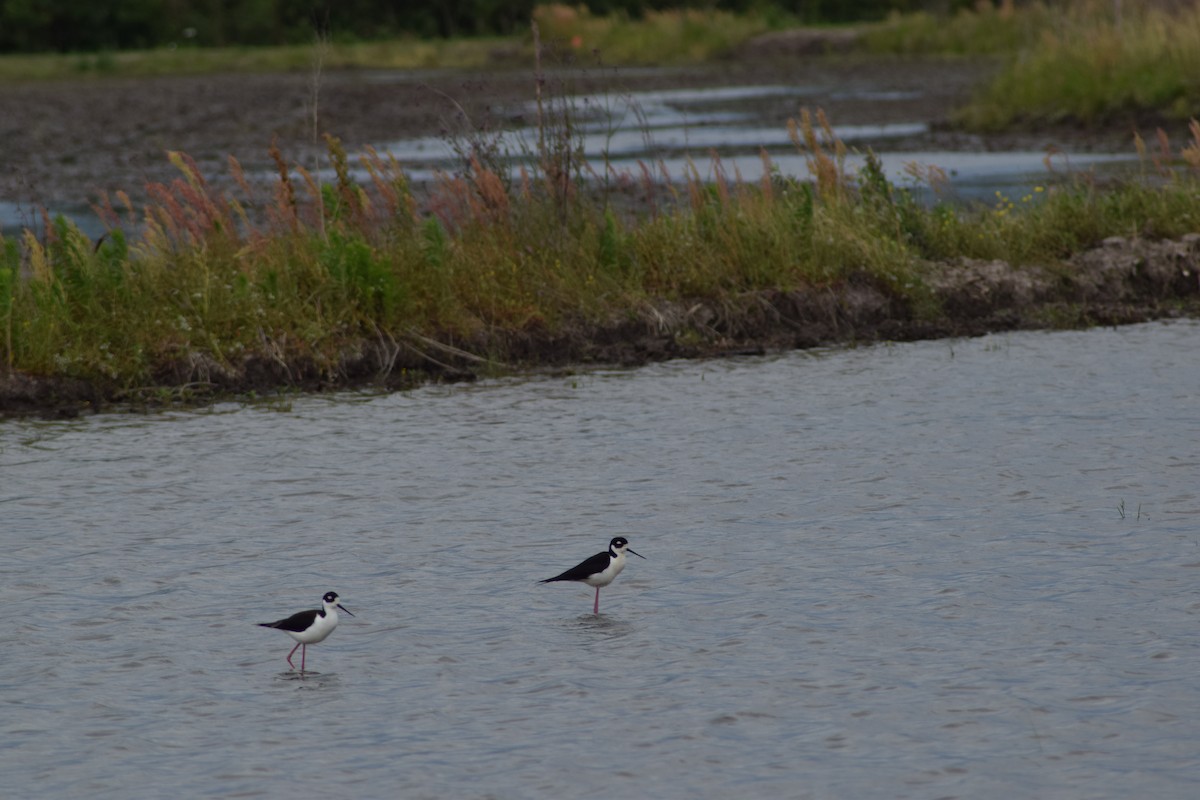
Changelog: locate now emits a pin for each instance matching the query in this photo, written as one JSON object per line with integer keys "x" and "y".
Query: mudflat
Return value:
{"x": 64, "y": 142}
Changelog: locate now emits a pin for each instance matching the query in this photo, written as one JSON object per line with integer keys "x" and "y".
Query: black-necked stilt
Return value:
{"x": 310, "y": 627}
{"x": 600, "y": 569}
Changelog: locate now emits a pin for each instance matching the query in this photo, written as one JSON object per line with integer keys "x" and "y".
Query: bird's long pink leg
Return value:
{"x": 290, "y": 664}
{"x": 303, "y": 653}
{"x": 596, "y": 607}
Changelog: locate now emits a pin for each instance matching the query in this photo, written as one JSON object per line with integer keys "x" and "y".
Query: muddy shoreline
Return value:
{"x": 1121, "y": 282}
{"x": 65, "y": 142}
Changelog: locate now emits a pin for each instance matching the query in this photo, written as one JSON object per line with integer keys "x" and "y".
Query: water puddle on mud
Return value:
{"x": 676, "y": 131}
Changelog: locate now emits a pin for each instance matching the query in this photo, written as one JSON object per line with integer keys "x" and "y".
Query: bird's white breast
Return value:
{"x": 615, "y": 565}
{"x": 320, "y": 629}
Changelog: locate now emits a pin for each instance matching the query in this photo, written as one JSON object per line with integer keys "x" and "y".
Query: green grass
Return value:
{"x": 317, "y": 270}
{"x": 659, "y": 37}
{"x": 1086, "y": 68}
{"x": 986, "y": 31}
{"x": 669, "y": 37}
{"x": 395, "y": 54}
{"x": 1071, "y": 62}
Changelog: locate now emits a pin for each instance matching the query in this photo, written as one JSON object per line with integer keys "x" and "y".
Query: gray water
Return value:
{"x": 945, "y": 569}
{"x": 676, "y": 131}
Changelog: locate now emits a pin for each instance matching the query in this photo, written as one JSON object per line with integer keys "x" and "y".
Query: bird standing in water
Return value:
{"x": 309, "y": 627}
{"x": 600, "y": 569}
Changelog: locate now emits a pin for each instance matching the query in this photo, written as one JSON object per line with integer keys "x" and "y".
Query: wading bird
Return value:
{"x": 310, "y": 627}
{"x": 600, "y": 569}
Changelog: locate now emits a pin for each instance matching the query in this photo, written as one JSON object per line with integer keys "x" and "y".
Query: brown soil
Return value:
{"x": 63, "y": 142}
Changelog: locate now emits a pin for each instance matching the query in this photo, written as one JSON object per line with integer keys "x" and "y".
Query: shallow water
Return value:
{"x": 677, "y": 131}
{"x": 943, "y": 569}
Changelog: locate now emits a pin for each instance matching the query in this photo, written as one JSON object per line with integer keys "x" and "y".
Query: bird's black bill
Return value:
{"x": 639, "y": 555}
{"x": 343, "y": 608}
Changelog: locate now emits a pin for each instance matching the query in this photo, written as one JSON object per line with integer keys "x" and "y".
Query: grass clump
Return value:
{"x": 1086, "y": 62}
{"x": 658, "y": 37}
{"x": 984, "y": 30}
{"x": 1088, "y": 66}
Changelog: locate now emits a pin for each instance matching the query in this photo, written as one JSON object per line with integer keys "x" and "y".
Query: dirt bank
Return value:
{"x": 1121, "y": 282}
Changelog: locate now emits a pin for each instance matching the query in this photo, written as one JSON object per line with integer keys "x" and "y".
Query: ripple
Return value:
{"x": 870, "y": 569}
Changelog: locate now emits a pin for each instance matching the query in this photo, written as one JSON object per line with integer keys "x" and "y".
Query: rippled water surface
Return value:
{"x": 944, "y": 569}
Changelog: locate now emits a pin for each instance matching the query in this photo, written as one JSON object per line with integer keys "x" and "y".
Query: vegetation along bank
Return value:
{"x": 205, "y": 288}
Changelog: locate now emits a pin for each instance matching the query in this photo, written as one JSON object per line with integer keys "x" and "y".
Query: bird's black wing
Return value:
{"x": 582, "y": 571}
{"x": 300, "y": 621}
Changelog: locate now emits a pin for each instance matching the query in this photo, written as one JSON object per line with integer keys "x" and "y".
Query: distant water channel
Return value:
{"x": 949, "y": 569}
{"x": 678, "y": 131}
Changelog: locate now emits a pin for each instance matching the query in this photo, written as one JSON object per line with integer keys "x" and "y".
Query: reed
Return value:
{"x": 661, "y": 37}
